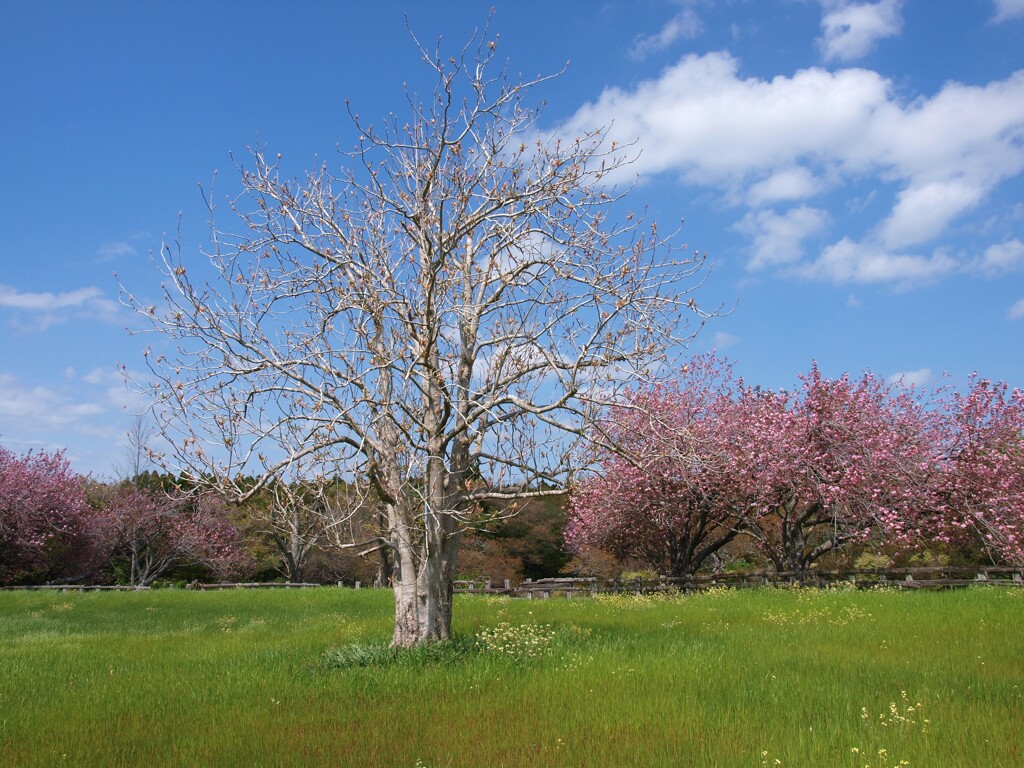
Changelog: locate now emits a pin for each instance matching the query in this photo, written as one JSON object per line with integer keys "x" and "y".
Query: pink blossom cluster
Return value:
{"x": 52, "y": 529}
{"x": 978, "y": 488}
{"x": 43, "y": 517}
{"x": 151, "y": 531}
{"x": 685, "y": 468}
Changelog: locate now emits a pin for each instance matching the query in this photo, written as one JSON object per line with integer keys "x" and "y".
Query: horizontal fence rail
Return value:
{"x": 937, "y": 577}
{"x": 82, "y": 587}
{"x": 253, "y": 585}
{"x": 928, "y": 577}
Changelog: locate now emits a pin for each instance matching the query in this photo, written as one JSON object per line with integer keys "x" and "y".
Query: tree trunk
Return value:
{"x": 423, "y": 588}
{"x": 793, "y": 549}
{"x": 296, "y": 551}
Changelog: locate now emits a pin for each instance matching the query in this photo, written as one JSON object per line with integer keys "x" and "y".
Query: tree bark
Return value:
{"x": 423, "y": 587}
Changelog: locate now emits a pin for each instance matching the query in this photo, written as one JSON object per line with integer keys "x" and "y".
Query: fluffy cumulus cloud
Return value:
{"x": 1001, "y": 258}
{"x": 784, "y": 184}
{"x": 850, "y": 30}
{"x": 922, "y": 211}
{"x": 789, "y": 139}
{"x": 778, "y": 238}
{"x": 851, "y": 262}
{"x": 1009, "y": 9}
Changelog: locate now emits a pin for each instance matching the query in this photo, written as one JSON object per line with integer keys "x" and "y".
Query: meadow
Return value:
{"x": 795, "y": 678}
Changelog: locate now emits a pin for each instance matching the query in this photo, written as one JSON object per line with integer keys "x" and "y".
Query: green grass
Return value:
{"x": 304, "y": 678}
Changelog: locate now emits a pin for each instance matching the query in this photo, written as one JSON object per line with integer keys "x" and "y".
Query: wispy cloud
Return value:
{"x": 1016, "y": 311}
{"x": 40, "y": 408}
{"x": 850, "y": 30}
{"x": 1009, "y": 9}
{"x": 918, "y": 378}
{"x": 723, "y": 340}
{"x": 86, "y": 405}
{"x": 86, "y": 415}
{"x": 685, "y": 25}
{"x": 47, "y": 308}
{"x": 116, "y": 250}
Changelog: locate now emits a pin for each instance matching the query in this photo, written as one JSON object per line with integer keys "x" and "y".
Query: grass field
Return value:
{"x": 766, "y": 678}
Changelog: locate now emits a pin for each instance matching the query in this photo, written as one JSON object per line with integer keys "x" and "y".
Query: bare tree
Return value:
{"x": 352, "y": 515}
{"x": 137, "y": 456}
{"x": 445, "y": 317}
{"x": 291, "y": 521}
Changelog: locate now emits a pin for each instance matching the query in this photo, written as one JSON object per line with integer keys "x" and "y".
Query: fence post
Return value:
{"x": 359, "y": 584}
{"x": 639, "y": 585}
{"x": 508, "y": 585}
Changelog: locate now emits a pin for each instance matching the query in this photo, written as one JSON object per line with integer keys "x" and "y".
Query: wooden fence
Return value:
{"x": 938, "y": 577}
{"x": 193, "y": 585}
{"x": 82, "y": 587}
{"x": 253, "y": 585}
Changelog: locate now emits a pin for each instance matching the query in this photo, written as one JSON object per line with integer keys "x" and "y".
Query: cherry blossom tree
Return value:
{"x": 829, "y": 464}
{"x": 979, "y": 482}
{"x": 801, "y": 473}
{"x": 445, "y": 318}
{"x": 45, "y": 531}
{"x": 661, "y": 493}
{"x": 152, "y": 532}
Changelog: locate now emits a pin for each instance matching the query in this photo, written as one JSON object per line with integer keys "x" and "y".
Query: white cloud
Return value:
{"x": 115, "y": 250}
{"x": 1001, "y": 258}
{"x": 702, "y": 119}
{"x": 922, "y": 212}
{"x": 850, "y": 30}
{"x": 116, "y": 391}
{"x": 778, "y": 239}
{"x": 761, "y": 142}
{"x": 88, "y": 422}
{"x": 685, "y": 25}
{"x": 723, "y": 340}
{"x": 41, "y": 408}
{"x": 1009, "y": 9}
{"x": 918, "y": 378}
{"x": 1016, "y": 311}
{"x": 46, "y": 309}
{"x": 784, "y": 184}
{"x": 850, "y": 262}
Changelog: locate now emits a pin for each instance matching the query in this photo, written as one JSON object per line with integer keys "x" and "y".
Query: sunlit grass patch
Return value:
{"x": 729, "y": 678}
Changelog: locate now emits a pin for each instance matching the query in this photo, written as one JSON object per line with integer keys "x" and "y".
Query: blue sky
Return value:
{"x": 855, "y": 170}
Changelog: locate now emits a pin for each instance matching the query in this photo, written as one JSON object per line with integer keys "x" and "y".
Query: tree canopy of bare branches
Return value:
{"x": 442, "y": 318}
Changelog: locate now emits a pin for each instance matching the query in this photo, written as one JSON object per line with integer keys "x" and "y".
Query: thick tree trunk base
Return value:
{"x": 421, "y": 617}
